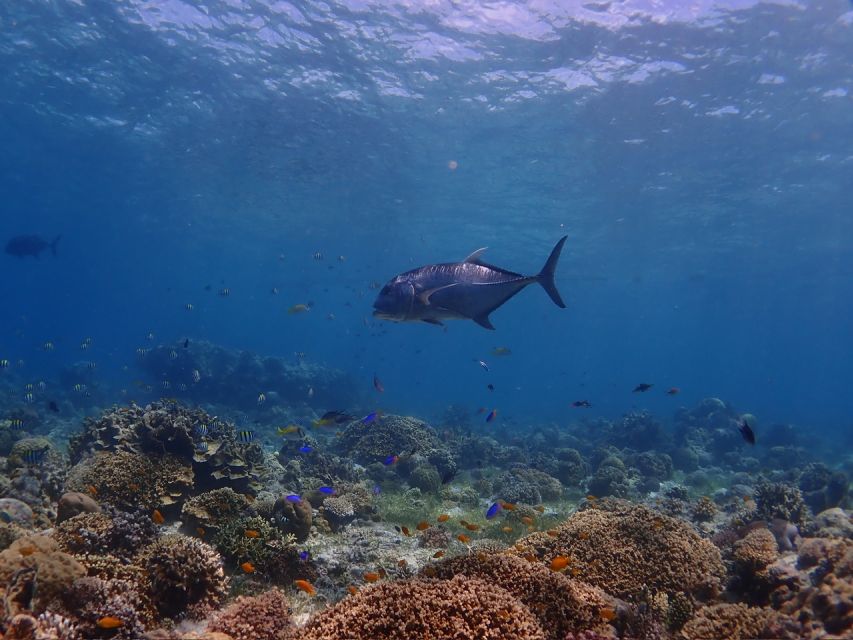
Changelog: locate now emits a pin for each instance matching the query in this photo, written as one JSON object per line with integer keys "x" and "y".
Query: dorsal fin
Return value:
{"x": 474, "y": 258}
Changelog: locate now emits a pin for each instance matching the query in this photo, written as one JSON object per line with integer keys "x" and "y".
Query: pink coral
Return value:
{"x": 262, "y": 617}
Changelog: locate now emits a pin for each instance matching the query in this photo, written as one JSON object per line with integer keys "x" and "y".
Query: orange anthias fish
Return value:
{"x": 607, "y": 613}
{"x": 352, "y": 590}
{"x": 472, "y": 527}
{"x": 506, "y": 529}
{"x": 443, "y": 517}
{"x": 438, "y": 554}
{"x": 157, "y": 517}
{"x": 559, "y": 563}
{"x": 527, "y": 520}
{"x": 109, "y": 622}
{"x": 305, "y": 586}
{"x": 463, "y": 538}
{"x": 370, "y": 576}
{"x": 251, "y": 533}
{"x": 423, "y": 525}
{"x": 509, "y": 506}
{"x": 248, "y": 567}
{"x": 673, "y": 391}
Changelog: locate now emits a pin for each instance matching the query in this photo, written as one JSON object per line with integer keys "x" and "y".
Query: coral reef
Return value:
{"x": 560, "y": 603}
{"x": 54, "y": 569}
{"x": 528, "y": 486}
{"x": 739, "y": 622}
{"x": 211, "y": 509}
{"x": 74, "y": 502}
{"x": 624, "y": 548}
{"x": 610, "y": 479}
{"x": 782, "y": 501}
{"x": 461, "y": 608}
{"x": 185, "y": 576}
{"x": 261, "y": 617}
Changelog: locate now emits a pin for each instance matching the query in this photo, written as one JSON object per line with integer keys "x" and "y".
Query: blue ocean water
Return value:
{"x": 698, "y": 156}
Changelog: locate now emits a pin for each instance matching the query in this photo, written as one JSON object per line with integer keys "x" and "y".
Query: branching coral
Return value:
{"x": 185, "y": 574}
{"x": 624, "y": 548}
{"x": 739, "y": 622}
{"x": 560, "y": 603}
{"x": 262, "y": 617}
{"x": 461, "y": 608}
{"x": 112, "y": 532}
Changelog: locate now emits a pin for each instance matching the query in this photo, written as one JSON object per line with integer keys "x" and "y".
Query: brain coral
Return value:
{"x": 54, "y": 569}
{"x": 461, "y": 608}
{"x": 185, "y": 575}
{"x": 622, "y": 548}
{"x": 261, "y": 617}
{"x": 560, "y": 603}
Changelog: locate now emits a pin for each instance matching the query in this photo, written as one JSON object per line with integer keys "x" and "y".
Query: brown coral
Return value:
{"x": 739, "y": 622}
{"x": 624, "y": 548}
{"x": 560, "y": 603}
{"x": 185, "y": 574}
{"x": 757, "y": 550}
{"x": 461, "y": 608}
{"x": 261, "y": 617}
{"x": 55, "y": 570}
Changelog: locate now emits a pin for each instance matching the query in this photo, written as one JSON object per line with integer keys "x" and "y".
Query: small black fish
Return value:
{"x": 642, "y": 387}
{"x": 34, "y": 456}
{"x": 747, "y": 432}
{"x": 586, "y": 404}
{"x": 53, "y": 406}
{"x": 490, "y": 387}
{"x": 186, "y": 343}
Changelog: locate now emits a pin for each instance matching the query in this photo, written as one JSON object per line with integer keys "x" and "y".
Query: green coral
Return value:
{"x": 238, "y": 546}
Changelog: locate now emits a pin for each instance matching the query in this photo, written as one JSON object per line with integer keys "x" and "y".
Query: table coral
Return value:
{"x": 461, "y": 608}
{"x": 623, "y": 548}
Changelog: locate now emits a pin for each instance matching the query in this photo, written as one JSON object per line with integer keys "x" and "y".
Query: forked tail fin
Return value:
{"x": 546, "y": 276}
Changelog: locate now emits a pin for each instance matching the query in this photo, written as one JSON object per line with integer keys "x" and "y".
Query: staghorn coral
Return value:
{"x": 624, "y": 548}
{"x": 261, "y": 617}
{"x": 460, "y": 608}
{"x": 54, "y": 569}
{"x": 185, "y": 576}
{"x": 90, "y": 599}
{"x": 739, "y": 622}
{"x": 560, "y": 603}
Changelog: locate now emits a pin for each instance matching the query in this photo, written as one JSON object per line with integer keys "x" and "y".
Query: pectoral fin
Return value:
{"x": 484, "y": 322}
{"x": 425, "y": 295}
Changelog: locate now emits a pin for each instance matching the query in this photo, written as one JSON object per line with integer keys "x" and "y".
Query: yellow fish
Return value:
{"x": 291, "y": 428}
{"x": 298, "y": 308}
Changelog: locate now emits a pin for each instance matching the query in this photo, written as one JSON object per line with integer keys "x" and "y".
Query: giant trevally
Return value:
{"x": 467, "y": 290}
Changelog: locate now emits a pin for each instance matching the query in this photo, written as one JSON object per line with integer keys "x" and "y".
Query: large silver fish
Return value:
{"x": 467, "y": 290}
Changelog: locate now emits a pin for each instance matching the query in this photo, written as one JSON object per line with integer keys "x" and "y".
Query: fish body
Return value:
{"x": 746, "y": 432}
{"x": 467, "y": 290}
{"x": 494, "y": 510}
{"x": 492, "y": 415}
{"x": 585, "y": 404}
{"x": 23, "y": 246}
{"x": 673, "y": 391}
{"x": 246, "y": 436}
{"x": 377, "y": 384}
{"x": 643, "y": 387}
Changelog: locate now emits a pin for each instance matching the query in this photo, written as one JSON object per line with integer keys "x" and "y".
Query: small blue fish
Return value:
{"x": 293, "y": 498}
{"x": 327, "y": 490}
{"x": 304, "y": 555}
{"x": 492, "y": 414}
{"x": 377, "y": 489}
{"x": 494, "y": 510}
{"x": 246, "y": 435}
{"x": 390, "y": 459}
{"x": 306, "y": 449}
{"x": 370, "y": 417}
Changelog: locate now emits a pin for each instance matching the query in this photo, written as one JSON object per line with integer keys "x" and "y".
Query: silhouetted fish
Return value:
{"x": 470, "y": 289}
{"x": 22, "y": 246}
{"x": 746, "y": 431}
